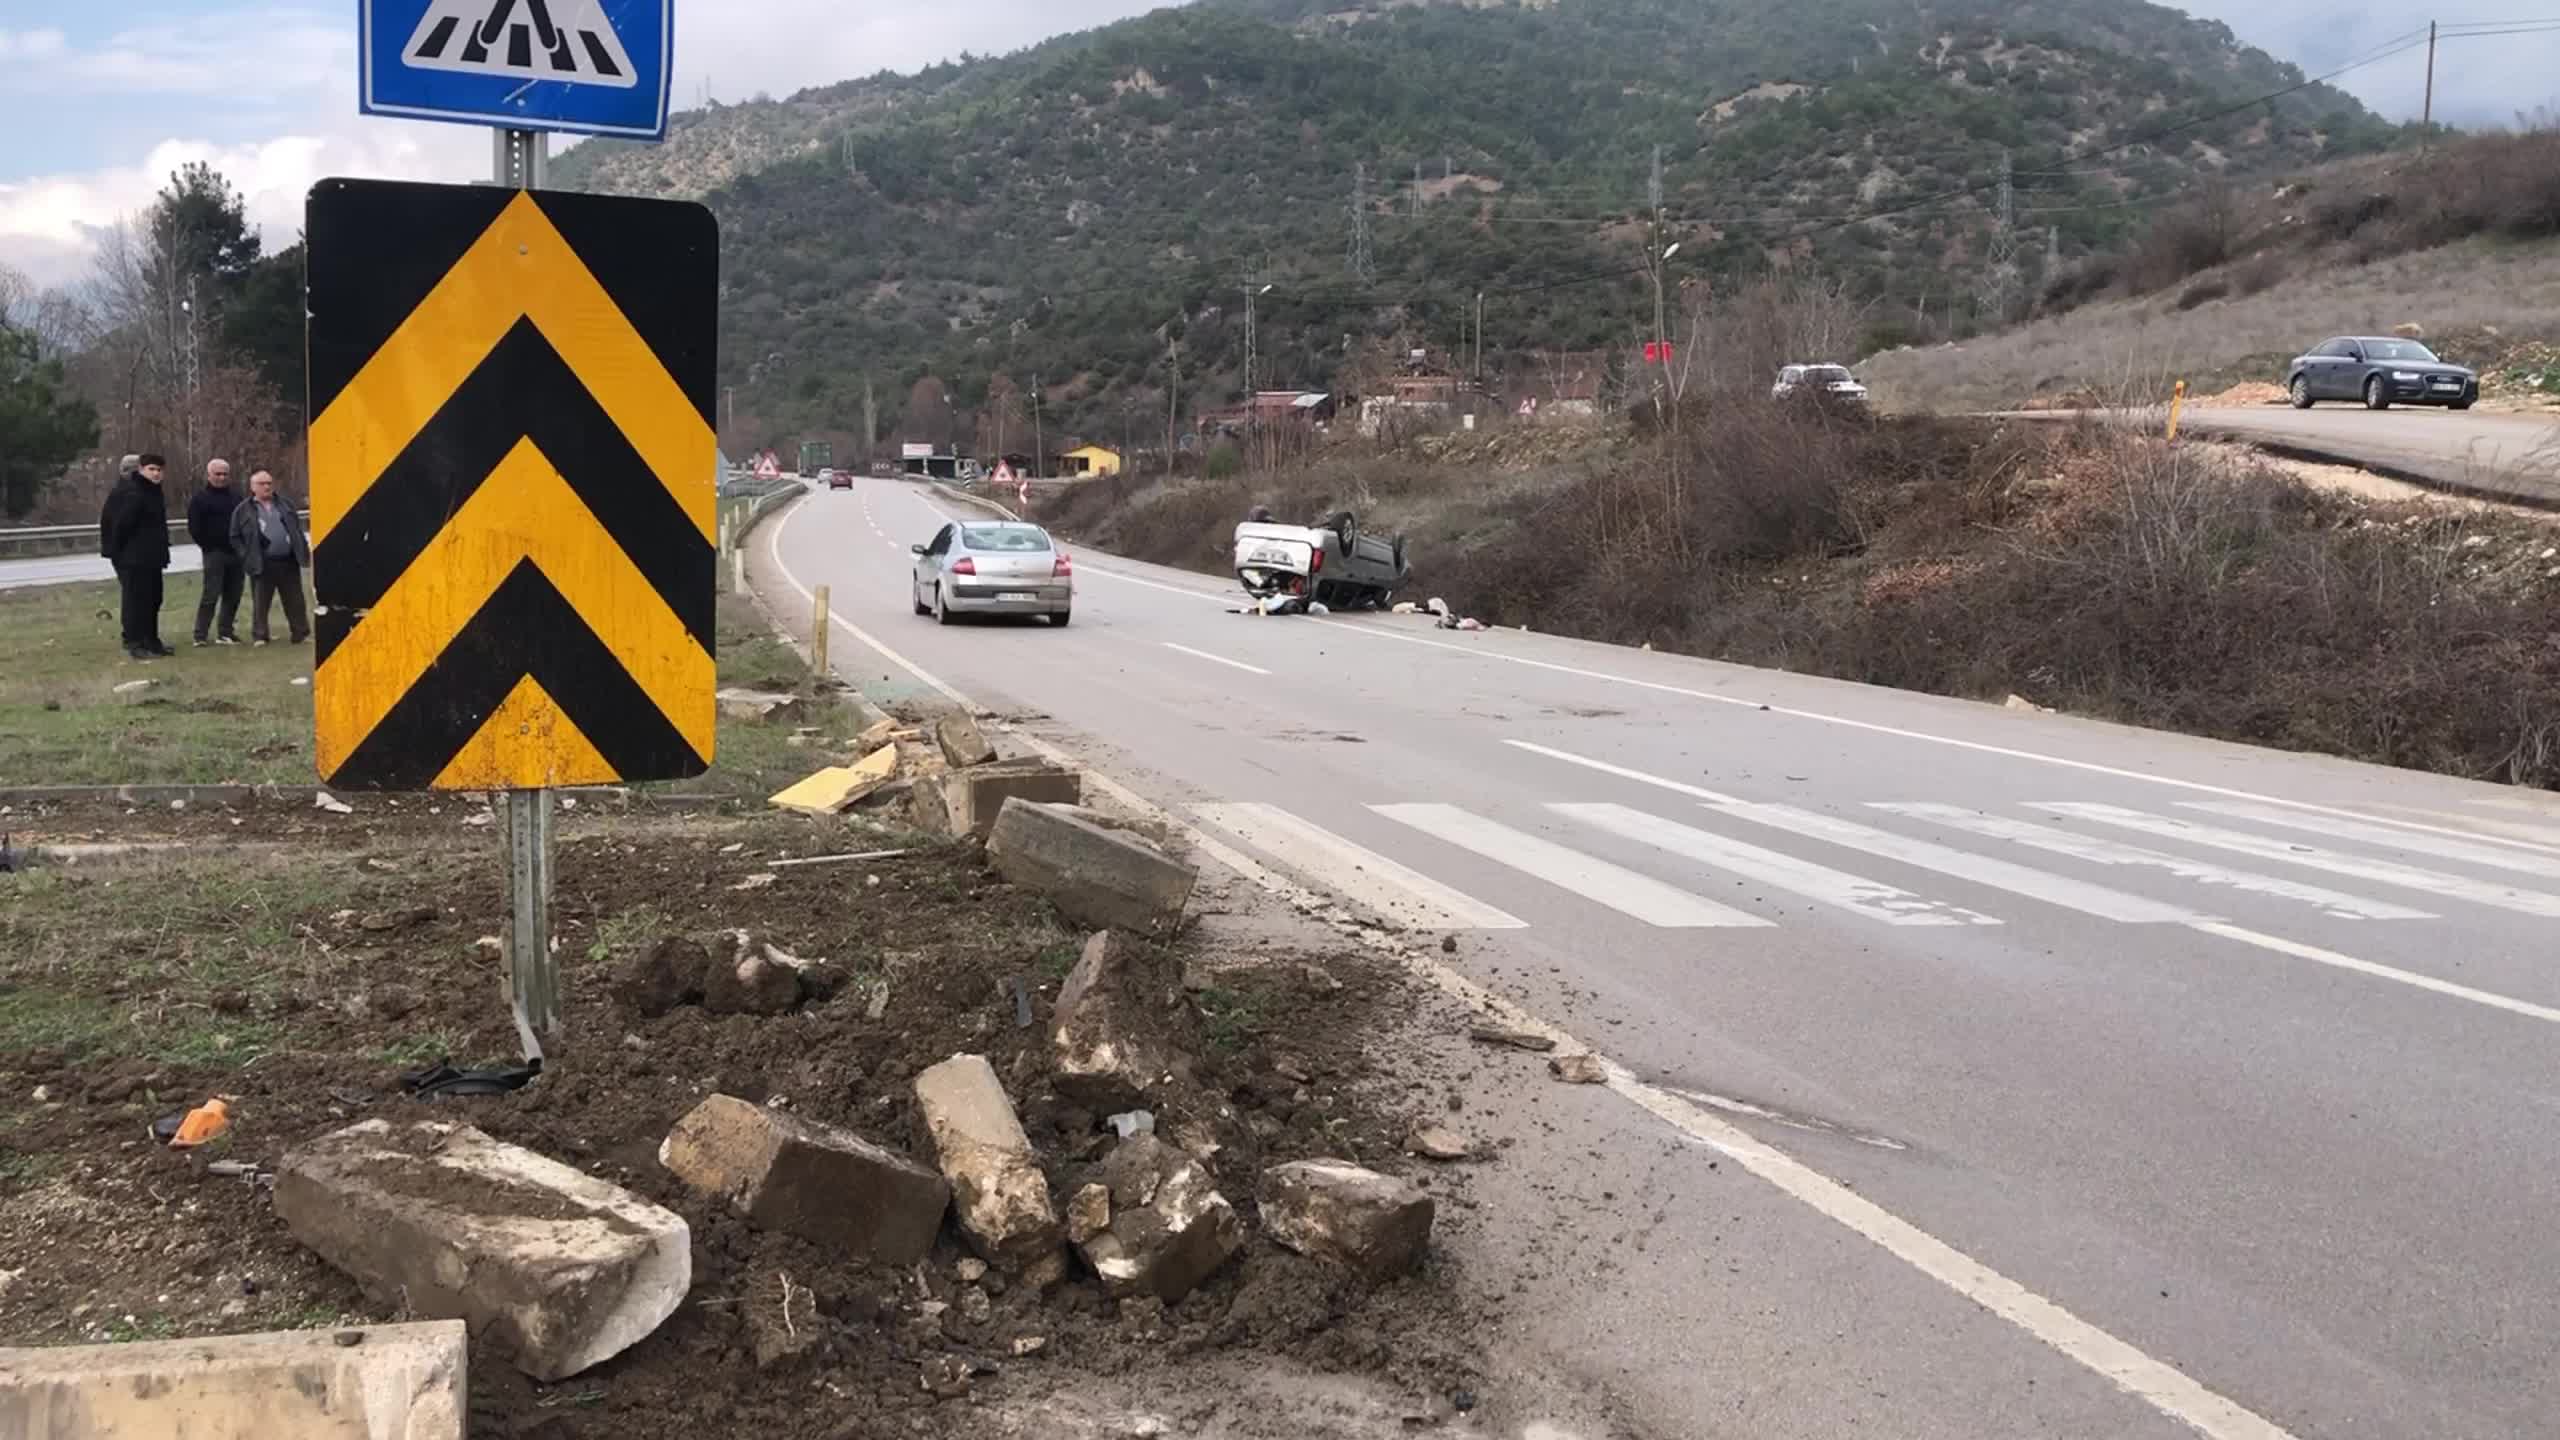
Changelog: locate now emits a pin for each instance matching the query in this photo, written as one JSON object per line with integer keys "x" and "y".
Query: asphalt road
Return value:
{"x": 68, "y": 569}
{"x": 1993, "y": 1073}
{"x": 2500, "y": 456}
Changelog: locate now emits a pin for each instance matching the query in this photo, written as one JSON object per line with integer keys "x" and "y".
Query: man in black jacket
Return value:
{"x": 209, "y": 525}
{"x": 133, "y": 532}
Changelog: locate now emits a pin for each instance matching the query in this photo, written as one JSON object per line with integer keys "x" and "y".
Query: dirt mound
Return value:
{"x": 923, "y": 956}
{"x": 2247, "y": 392}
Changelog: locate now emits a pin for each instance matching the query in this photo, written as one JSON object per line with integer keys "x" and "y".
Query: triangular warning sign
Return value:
{"x": 517, "y": 39}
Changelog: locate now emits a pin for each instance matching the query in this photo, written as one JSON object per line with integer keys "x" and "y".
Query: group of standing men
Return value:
{"x": 257, "y": 539}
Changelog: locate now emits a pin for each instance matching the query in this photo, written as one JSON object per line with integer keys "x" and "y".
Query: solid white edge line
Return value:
{"x": 2314, "y": 953}
{"x": 1215, "y": 659}
{"x": 2154, "y": 1382}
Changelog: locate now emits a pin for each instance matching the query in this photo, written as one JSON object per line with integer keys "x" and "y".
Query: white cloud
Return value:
{"x": 18, "y": 45}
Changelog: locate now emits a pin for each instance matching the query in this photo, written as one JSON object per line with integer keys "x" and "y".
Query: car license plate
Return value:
{"x": 1015, "y": 595}
{"x": 1269, "y": 555}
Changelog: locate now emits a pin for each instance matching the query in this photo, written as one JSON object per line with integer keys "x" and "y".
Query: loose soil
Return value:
{"x": 298, "y": 962}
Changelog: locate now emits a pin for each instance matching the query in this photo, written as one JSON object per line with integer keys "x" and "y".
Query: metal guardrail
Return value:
{"x": 23, "y": 541}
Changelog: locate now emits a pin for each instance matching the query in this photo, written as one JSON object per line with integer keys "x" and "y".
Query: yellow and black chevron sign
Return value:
{"x": 512, "y": 485}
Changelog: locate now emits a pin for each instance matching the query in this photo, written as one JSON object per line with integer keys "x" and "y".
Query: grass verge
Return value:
{"x": 237, "y": 714}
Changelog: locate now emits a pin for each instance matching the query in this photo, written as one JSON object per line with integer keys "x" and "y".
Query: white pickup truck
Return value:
{"x": 1334, "y": 563}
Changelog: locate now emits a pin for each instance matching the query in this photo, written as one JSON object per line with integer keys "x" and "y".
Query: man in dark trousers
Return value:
{"x": 133, "y": 532}
{"x": 267, "y": 536}
{"x": 209, "y": 525}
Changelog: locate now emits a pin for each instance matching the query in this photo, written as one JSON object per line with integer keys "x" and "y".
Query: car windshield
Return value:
{"x": 1826, "y": 374}
{"x": 2409, "y": 350}
{"x": 1004, "y": 537}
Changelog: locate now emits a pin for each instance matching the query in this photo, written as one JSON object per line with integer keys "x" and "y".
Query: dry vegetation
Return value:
{"x": 2231, "y": 284}
{"x": 2089, "y": 569}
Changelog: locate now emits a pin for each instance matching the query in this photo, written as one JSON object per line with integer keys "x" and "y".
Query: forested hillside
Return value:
{"x": 1086, "y": 208}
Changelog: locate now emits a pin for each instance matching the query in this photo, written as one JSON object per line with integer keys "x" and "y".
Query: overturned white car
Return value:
{"x": 1334, "y": 564}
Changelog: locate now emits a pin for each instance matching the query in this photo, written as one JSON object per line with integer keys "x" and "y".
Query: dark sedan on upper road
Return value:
{"x": 2381, "y": 371}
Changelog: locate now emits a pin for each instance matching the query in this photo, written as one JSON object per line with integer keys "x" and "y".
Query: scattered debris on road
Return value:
{"x": 1583, "y": 1069}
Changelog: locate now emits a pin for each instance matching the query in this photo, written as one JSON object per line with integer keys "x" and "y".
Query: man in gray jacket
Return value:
{"x": 267, "y": 536}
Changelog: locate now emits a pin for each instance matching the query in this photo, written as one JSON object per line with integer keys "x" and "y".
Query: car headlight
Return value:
{"x": 2404, "y": 374}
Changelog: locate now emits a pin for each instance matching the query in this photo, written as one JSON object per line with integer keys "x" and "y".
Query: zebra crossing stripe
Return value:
{"x": 2434, "y": 882}
{"x": 1870, "y": 898}
{"x": 2393, "y": 837}
{"x": 1362, "y": 876}
{"x": 1622, "y": 890}
{"x": 2098, "y": 850}
{"x": 2052, "y": 889}
{"x": 518, "y": 39}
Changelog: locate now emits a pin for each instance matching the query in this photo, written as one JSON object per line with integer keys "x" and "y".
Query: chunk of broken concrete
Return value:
{"x": 740, "y": 703}
{"x": 1095, "y": 877}
{"x": 963, "y": 743}
{"x": 1088, "y": 1213}
{"x": 832, "y": 789}
{"x": 1435, "y": 1142}
{"x": 997, "y": 1189}
{"x": 666, "y": 975}
{"x": 399, "y": 1382}
{"x": 1517, "y": 1039}
{"x": 1169, "y": 1225}
{"x": 563, "y": 1269}
{"x": 1335, "y": 1210}
{"x": 816, "y": 1181}
{"x": 1584, "y": 1069}
{"x": 748, "y": 977}
{"x": 971, "y": 800}
{"x": 1099, "y": 1058}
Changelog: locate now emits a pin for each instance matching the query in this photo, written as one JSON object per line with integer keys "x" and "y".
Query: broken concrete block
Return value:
{"x": 1100, "y": 1060}
{"x": 1093, "y": 876}
{"x": 742, "y": 704}
{"x": 394, "y": 1382}
{"x": 1578, "y": 1069}
{"x": 973, "y": 798}
{"x": 562, "y": 1268}
{"x": 1435, "y": 1142}
{"x": 748, "y": 977}
{"x": 1335, "y": 1210}
{"x": 963, "y": 743}
{"x": 1169, "y": 1225}
{"x": 670, "y": 973}
{"x": 997, "y": 1189}
{"x": 1089, "y": 1213}
{"x": 815, "y": 1181}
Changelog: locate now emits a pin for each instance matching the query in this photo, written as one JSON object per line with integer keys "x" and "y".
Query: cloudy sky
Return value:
{"x": 101, "y": 101}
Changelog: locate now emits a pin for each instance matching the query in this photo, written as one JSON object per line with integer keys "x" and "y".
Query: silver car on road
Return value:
{"x": 992, "y": 567}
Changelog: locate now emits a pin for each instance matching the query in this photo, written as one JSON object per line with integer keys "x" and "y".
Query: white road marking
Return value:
{"x": 1677, "y": 787}
{"x": 2389, "y": 836}
{"x": 1871, "y": 898}
{"x": 2300, "y": 951}
{"x": 2052, "y": 889}
{"x": 1236, "y": 600}
{"x": 1215, "y": 659}
{"x": 1622, "y": 890}
{"x": 1362, "y": 876}
{"x": 2100, "y": 851}
{"x": 2383, "y": 872}
{"x": 2154, "y": 1382}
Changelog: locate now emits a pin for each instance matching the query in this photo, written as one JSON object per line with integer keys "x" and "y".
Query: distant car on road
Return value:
{"x": 835, "y": 479}
{"x": 992, "y": 567}
{"x": 1818, "y": 382}
{"x": 2381, "y": 371}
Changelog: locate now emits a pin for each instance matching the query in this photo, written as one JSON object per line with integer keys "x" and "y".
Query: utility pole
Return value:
{"x": 870, "y": 422}
{"x": 1039, "y": 436}
{"x": 1417, "y": 187}
{"x": 1653, "y": 258}
{"x": 2427, "y": 112}
{"x": 1479, "y": 366}
{"x": 1172, "y": 404}
{"x": 731, "y": 423}
{"x": 1362, "y": 268}
{"x": 2000, "y": 279}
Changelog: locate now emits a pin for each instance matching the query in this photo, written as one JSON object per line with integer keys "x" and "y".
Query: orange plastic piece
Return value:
{"x": 208, "y": 1121}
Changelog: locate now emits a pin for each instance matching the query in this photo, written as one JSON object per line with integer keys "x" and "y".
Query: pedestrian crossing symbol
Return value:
{"x": 519, "y": 38}
{"x": 512, "y": 486}
{"x": 592, "y": 67}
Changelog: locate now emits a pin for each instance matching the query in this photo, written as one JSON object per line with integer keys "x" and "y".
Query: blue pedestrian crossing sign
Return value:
{"x": 595, "y": 67}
